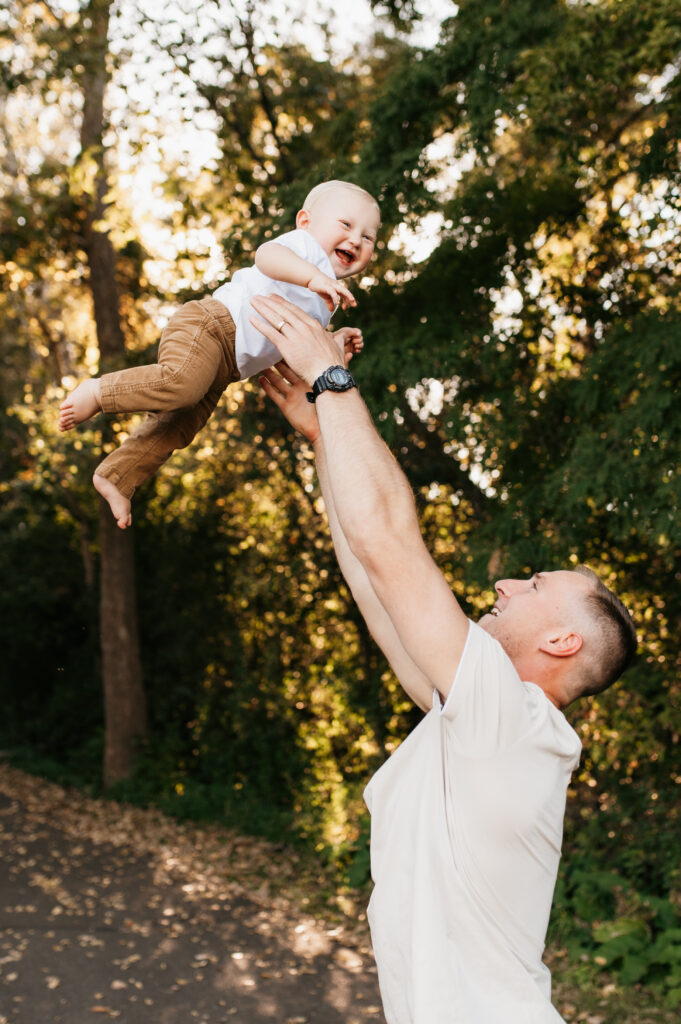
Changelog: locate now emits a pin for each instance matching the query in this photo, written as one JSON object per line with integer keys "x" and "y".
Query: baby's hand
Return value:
{"x": 331, "y": 291}
{"x": 350, "y": 340}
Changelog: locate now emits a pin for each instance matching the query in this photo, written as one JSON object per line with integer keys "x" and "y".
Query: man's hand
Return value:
{"x": 289, "y": 393}
{"x": 305, "y": 345}
{"x": 331, "y": 290}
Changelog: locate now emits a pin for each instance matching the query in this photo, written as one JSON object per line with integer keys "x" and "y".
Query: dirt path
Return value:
{"x": 116, "y": 913}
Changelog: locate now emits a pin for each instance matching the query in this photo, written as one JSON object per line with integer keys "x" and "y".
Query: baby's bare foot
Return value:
{"x": 81, "y": 404}
{"x": 119, "y": 504}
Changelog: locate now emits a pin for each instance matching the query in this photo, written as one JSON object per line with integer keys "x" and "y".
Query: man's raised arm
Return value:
{"x": 374, "y": 505}
{"x": 287, "y": 391}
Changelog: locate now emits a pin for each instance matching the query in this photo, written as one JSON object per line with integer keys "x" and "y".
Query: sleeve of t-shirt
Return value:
{"x": 487, "y": 706}
{"x": 303, "y": 244}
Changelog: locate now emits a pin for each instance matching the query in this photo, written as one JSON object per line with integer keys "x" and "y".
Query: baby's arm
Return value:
{"x": 350, "y": 340}
{"x": 282, "y": 264}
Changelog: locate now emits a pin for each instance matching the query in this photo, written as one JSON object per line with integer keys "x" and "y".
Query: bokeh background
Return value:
{"x": 523, "y": 361}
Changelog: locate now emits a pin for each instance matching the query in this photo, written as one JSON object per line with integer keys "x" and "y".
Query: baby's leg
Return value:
{"x": 145, "y": 451}
{"x": 190, "y": 355}
{"x": 81, "y": 404}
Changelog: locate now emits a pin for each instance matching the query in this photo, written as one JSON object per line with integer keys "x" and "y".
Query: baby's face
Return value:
{"x": 344, "y": 223}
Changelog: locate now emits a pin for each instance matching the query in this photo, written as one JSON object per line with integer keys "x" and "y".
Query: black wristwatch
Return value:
{"x": 336, "y": 378}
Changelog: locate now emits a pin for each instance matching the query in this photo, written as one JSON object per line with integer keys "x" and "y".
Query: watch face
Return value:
{"x": 337, "y": 375}
{"x": 336, "y": 378}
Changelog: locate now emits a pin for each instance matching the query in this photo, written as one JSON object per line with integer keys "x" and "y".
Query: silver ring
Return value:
{"x": 279, "y": 326}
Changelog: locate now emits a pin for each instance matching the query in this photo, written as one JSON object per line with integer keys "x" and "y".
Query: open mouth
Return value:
{"x": 345, "y": 257}
{"x": 495, "y": 611}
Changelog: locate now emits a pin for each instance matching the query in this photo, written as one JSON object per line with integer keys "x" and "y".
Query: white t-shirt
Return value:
{"x": 466, "y": 832}
{"x": 254, "y": 352}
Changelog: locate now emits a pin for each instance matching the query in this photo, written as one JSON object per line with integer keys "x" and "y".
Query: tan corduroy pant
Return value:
{"x": 196, "y": 362}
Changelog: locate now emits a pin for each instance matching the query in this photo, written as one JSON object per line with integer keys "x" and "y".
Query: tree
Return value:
{"x": 58, "y": 221}
{"x": 124, "y": 699}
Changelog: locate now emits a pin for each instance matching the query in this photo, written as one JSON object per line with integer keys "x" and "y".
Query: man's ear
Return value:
{"x": 302, "y": 220}
{"x": 563, "y": 645}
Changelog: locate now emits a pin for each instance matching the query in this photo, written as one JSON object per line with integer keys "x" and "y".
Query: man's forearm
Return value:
{"x": 379, "y": 623}
{"x": 377, "y": 515}
{"x": 372, "y": 498}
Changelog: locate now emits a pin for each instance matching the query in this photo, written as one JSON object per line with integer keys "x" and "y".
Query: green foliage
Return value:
{"x": 638, "y": 938}
{"x": 48, "y": 681}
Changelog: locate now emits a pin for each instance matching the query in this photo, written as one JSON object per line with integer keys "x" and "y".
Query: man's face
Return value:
{"x": 344, "y": 223}
{"x": 532, "y": 612}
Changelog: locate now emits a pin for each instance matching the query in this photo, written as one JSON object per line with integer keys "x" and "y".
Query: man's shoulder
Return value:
{"x": 488, "y": 703}
{"x": 563, "y": 737}
{"x": 484, "y": 652}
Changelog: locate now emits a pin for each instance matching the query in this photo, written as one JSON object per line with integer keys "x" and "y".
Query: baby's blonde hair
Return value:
{"x": 328, "y": 186}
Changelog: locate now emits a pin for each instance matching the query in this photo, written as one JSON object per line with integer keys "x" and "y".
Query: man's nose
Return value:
{"x": 504, "y": 588}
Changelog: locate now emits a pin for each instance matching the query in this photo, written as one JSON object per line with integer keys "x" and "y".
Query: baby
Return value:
{"x": 210, "y": 343}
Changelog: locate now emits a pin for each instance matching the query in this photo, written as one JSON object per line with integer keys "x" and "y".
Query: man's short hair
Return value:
{"x": 329, "y": 186}
{"x": 615, "y": 637}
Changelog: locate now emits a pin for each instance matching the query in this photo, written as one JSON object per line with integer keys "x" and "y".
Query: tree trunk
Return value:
{"x": 124, "y": 700}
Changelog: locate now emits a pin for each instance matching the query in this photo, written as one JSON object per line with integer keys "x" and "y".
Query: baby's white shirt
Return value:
{"x": 254, "y": 352}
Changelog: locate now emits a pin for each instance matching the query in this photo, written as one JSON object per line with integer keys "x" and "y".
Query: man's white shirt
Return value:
{"x": 466, "y": 832}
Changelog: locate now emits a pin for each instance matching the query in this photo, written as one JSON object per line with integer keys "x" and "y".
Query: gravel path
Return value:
{"x": 115, "y": 913}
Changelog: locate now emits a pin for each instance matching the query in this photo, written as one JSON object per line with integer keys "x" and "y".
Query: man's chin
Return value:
{"x": 488, "y": 622}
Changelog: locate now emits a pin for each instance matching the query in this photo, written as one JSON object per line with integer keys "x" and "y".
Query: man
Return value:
{"x": 467, "y": 814}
